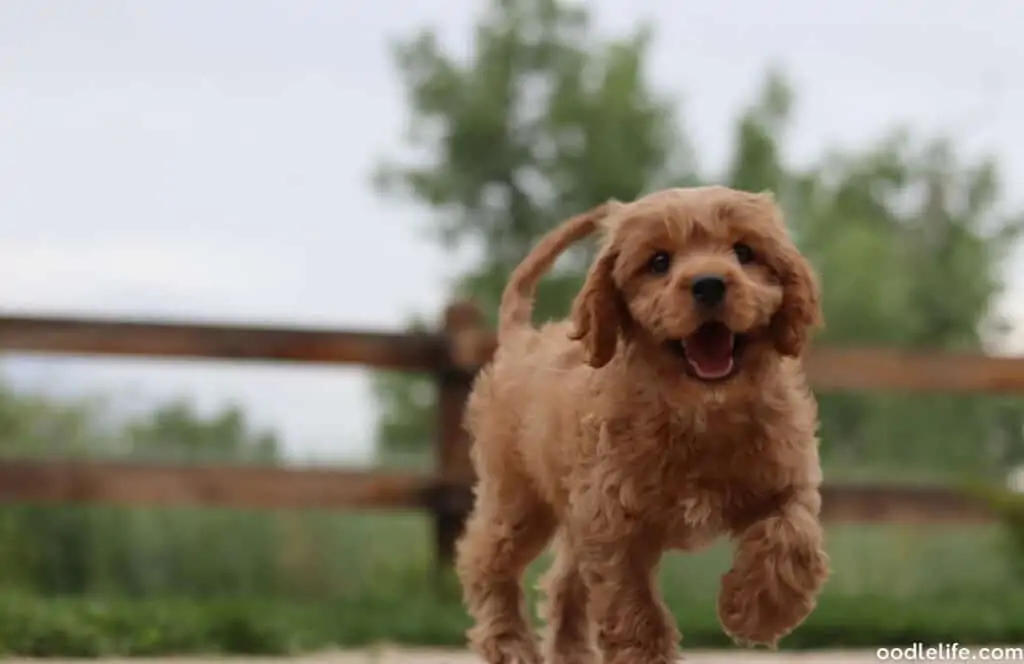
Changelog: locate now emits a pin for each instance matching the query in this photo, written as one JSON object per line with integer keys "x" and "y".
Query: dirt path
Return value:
{"x": 385, "y": 656}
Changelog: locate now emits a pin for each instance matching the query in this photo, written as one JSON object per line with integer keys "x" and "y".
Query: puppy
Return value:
{"x": 671, "y": 409}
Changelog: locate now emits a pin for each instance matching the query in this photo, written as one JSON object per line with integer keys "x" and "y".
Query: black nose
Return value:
{"x": 708, "y": 290}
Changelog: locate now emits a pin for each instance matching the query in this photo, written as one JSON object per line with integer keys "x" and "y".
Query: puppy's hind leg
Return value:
{"x": 570, "y": 633}
{"x": 508, "y": 528}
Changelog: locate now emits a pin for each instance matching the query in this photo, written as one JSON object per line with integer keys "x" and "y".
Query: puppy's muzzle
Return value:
{"x": 708, "y": 290}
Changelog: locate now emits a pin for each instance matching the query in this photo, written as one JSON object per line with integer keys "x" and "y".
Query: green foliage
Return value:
{"x": 31, "y": 626}
{"x": 543, "y": 120}
{"x": 91, "y": 582}
{"x": 1009, "y": 506}
{"x": 30, "y": 424}
{"x": 131, "y": 551}
{"x": 176, "y": 430}
{"x": 892, "y": 586}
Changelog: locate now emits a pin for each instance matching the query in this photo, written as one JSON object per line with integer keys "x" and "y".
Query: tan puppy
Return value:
{"x": 670, "y": 410}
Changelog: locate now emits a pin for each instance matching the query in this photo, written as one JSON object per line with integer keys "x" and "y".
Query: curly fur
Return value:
{"x": 592, "y": 433}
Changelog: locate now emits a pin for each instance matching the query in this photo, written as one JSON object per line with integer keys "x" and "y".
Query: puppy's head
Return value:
{"x": 708, "y": 276}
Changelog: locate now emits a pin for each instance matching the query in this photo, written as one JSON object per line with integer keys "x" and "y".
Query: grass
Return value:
{"x": 94, "y": 628}
{"x": 364, "y": 579}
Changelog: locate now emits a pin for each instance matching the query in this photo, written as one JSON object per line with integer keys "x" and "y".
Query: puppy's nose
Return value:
{"x": 708, "y": 290}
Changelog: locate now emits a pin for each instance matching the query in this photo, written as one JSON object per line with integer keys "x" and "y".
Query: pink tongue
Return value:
{"x": 709, "y": 351}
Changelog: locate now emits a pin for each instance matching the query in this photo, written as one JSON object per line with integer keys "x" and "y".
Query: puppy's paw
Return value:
{"x": 639, "y": 655}
{"x": 772, "y": 587}
{"x": 640, "y": 639}
{"x": 508, "y": 650}
{"x": 574, "y": 657}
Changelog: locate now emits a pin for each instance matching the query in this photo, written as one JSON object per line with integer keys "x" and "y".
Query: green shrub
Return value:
{"x": 1009, "y": 507}
{"x": 33, "y": 626}
{"x": 317, "y": 581}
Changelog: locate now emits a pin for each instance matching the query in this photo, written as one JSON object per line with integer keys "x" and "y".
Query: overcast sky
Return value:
{"x": 210, "y": 159}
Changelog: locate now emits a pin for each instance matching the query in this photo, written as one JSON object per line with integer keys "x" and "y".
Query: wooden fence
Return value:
{"x": 452, "y": 355}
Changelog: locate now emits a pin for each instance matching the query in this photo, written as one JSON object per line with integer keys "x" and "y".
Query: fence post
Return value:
{"x": 462, "y": 322}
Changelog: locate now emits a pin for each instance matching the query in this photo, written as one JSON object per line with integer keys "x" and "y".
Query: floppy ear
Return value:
{"x": 801, "y": 305}
{"x": 598, "y": 310}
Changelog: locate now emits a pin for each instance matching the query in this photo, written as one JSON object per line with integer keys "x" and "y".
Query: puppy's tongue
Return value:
{"x": 709, "y": 350}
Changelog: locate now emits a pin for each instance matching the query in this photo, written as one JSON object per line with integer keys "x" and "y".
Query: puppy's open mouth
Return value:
{"x": 711, "y": 353}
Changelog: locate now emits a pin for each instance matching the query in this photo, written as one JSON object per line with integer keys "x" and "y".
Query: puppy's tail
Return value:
{"x": 516, "y": 308}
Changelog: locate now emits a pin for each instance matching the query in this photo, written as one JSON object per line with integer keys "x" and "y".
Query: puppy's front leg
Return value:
{"x": 779, "y": 568}
{"x": 617, "y": 560}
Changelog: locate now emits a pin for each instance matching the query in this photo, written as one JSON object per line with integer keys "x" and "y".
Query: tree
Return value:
{"x": 174, "y": 431}
{"x": 545, "y": 120}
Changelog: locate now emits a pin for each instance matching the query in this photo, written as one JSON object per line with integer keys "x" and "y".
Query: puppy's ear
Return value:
{"x": 598, "y": 310}
{"x": 801, "y": 305}
{"x": 800, "y": 311}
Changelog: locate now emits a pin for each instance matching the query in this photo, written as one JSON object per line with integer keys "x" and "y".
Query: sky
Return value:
{"x": 212, "y": 159}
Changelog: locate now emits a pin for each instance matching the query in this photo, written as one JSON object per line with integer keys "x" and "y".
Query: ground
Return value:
{"x": 384, "y": 656}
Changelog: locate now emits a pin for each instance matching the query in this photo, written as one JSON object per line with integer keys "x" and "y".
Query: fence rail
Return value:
{"x": 75, "y": 336}
{"x": 452, "y": 355}
{"x": 126, "y": 484}
{"x": 841, "y": 369}
{"x": 267, "y": 488}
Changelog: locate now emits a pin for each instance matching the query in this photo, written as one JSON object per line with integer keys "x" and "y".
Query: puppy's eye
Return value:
{"x": 660, "y": 262}
{"x": 744, "y": 254}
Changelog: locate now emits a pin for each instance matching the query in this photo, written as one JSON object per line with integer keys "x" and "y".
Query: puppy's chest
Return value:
{"x": 697, "y": 510}
{"x": 715, "y": 482}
